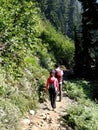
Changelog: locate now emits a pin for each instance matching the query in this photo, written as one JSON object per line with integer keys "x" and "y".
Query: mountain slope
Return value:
{"x": 27, "y": 45}
{"x": 63, "y": 14}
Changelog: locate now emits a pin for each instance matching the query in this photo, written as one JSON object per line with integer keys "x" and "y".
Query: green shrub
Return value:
{"x": 83, "y": 114}
{"x": 60, "y": 46}
{"x": 26, "y": 57}
{"x": 2, "y": 90}
{"x": 79, "y": 89}
{"x": 82, "y": 117}
{"x": 9, "y": 115}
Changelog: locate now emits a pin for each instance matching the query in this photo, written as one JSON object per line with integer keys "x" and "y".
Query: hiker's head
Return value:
{"x": 52, "y": 72}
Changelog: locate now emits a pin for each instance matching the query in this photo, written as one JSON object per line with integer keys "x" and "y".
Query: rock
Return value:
{"x": 46, "y": 117}
{"x": 32, "y": 112}
{"x": 50, "y": 120}
{"x": 26, "y": 121}
{"x": 64, "y": 129}
{"x": 61, "y": 122}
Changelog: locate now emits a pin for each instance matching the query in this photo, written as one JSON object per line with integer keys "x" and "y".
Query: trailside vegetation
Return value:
{"x": 60, "y": 46}
{"x": 27, "y": 51}
{"x": 82, "y": 114}
{"x": 63, "y": 14}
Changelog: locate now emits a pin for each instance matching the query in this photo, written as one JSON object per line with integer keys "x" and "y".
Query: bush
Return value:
{"x": 9, "y": 115}
{"x": 60, "y": 46}
{"x": 79, "y": 89}
{"x": 82, "y": 115}
{"x": 26, "y": 57}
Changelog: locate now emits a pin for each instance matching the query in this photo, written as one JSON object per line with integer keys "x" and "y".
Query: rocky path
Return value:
{"x": 45, "y": 118}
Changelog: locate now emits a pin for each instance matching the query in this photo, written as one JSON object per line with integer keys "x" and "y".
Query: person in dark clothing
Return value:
{"x": 52, "y": 87}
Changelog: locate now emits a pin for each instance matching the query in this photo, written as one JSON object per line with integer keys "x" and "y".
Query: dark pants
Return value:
{"x": 53, "y": 95}
{"x": 60, "y": 91}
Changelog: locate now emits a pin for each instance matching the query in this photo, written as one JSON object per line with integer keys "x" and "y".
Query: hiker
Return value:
{"x": 59, "y": 76}
{"x": 52, "y": 87}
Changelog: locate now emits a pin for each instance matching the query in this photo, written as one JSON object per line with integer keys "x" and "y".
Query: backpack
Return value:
{"x": 59, "y": 75}
{"x": 51, "y": 86}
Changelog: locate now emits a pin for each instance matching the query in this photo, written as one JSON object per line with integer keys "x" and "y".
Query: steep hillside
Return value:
{"x": 63, "y": 14}
{"x": 29, "y": 47}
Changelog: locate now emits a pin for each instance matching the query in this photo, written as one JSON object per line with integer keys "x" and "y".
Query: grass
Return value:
{"x": 83, "y": 115}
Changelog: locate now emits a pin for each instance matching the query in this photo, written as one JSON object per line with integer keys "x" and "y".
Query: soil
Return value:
{"x": 47, "y": 119}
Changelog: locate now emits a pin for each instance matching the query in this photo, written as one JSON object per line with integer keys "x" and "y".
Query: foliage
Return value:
{"x": 79, "y": 89}
{"x": 87, "y": 45}
{"x": 83, "y": 114}
{"x": 9, "y": 115}
{"x": 61, "y": 47}
{"x": 22, "y": 72}
{"x": 26, "y": 57}
{"x": 82, "y": 117}
{"x": 62, "y": 14}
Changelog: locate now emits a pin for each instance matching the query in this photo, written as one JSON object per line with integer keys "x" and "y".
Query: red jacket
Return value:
{"x": 52, "y": 80}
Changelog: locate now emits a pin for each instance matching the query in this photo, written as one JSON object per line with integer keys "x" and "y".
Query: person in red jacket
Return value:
{"x": 52, "y": 87}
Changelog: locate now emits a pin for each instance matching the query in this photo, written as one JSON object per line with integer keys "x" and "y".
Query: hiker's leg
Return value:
{"x": 51, "y": 96}
{"x": 60, "y": 91}
{"x": 52, "y": 102}
{"x": 54, "y": 99}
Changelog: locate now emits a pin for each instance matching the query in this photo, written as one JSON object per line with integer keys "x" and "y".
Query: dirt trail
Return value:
{"x": 45, "y": 118}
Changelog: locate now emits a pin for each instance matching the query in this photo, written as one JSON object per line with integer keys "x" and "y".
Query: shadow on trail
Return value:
{"x": 46, "y": 108}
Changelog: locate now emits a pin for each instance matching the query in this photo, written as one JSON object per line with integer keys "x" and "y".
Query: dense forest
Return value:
{"x": 34, "y": 36}
{"x": 86, "y": 43}
{"x": 63, "y": 14}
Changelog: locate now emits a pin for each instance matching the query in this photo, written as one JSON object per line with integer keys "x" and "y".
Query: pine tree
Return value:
{"x": 63, "y": 14}
{"x": 89, "y": 46}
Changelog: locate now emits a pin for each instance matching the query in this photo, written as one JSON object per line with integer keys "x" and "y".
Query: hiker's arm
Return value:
{"x": 57, "y": 84}
{"x": 47, "y": 84}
